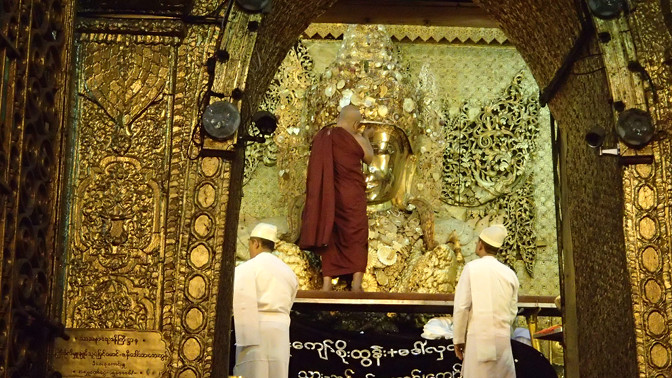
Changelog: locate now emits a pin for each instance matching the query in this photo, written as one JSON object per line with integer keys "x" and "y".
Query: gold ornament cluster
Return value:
{"x": 367, "y": 74}
{"x": 488, "y": 154}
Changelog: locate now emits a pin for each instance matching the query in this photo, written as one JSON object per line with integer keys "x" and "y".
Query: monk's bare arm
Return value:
{"x": 366, "y": 146}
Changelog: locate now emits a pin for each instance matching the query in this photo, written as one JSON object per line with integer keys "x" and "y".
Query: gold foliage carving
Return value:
{"x": 145, "y": 241}
{"x": 117, "y": 240}
{"x": 290, "y": 144}
{"x": 517, "y": 212}
{"x": 121, "y": 153}
{"x": 119, "y": 213}
{"x": 488, "y": 155}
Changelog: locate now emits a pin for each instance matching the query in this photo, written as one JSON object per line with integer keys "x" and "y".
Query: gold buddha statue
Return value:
{"x": 403, "y": 253}
{"x": 387, "y": 172}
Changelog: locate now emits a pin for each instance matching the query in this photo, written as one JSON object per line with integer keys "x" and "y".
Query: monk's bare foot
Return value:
{"x": 326, "y": 284}
{"x": 357, "y": 282}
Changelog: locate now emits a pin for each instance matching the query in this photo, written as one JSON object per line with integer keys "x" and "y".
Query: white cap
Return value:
{"x": 265, "y": 231}
{"x": 494, "y": 235}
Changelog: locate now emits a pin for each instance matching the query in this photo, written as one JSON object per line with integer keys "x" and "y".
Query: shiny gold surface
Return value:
{"x": 385, "y": 174}
{"x": 118, "y": 204}
{"x": 463, "y": 148}
{"x": 148, "y": 216}
{"x": 134, "y": 125}
{"x": 646, "y": 187}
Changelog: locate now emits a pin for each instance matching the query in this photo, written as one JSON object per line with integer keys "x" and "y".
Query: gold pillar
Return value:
{"x": 643, "y": 37}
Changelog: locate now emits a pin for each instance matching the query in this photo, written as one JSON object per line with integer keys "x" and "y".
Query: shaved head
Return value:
{"x": 350, "y": 114}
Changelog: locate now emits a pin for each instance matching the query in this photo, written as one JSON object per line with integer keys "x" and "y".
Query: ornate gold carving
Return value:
{"x": 656, "y": 322}
{"x": 202, "y": 216}
{"x": 416, "y": 33}
{"x": 653, "y": 291}
{"x": 489, "y": 154}
{"x": 651, "y": 259}
{"x": 517, "y": 211}
{"x": 303, "y": 264}
{"x": 644, "y": 37}
{"x": 659, "y": 356}
{"x": 116, "y": 237}
{"x": 194, "y": 319}
{"x": 395, "y": 251}
{"x": 148, "y": 222}
{"x": 97, "y": 31}
{"x": 34, "y": 56}
{"x": 205, "y": 7}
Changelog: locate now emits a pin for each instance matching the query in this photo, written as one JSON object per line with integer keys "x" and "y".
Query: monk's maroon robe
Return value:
{"x": 334, "y": 222}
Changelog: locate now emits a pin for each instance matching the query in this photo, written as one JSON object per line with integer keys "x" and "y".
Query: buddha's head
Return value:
{"x": 387, "y": 173}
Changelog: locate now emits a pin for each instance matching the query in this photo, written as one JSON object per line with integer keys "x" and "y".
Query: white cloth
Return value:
{"x": 437, "y": 328}
{"x": 264, "y": 290}
{"x": 486, "y": 304}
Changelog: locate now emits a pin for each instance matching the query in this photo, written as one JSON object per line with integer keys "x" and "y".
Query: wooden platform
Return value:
{"x": 315, "y": 300}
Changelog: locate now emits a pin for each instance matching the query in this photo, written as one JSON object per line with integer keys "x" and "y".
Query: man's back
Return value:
{"x": 264, "y": 290}
{"x": 485, "y": 306}
{"x": 499, "y": 285}
{"x": 276, "y": 284}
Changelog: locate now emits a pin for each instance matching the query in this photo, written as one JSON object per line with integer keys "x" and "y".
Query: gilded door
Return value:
{"x": 34, "y": 50}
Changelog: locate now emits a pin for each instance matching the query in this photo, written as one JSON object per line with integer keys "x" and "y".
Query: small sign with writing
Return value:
{"x": 110, "y": 353}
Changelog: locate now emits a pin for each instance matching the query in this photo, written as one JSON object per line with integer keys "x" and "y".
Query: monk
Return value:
{"x": 334, "y": 221}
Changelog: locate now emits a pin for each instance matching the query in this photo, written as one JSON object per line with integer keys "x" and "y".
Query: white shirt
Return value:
{"x": 264, "y": 287}
{"x": 486, "y": 300}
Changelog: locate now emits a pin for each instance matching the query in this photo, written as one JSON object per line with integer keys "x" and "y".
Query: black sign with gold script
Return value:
{"x": 325, "y": 353}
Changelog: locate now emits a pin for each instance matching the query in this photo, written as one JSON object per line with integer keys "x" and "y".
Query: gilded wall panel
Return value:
{"x": 115, "y": 270}
{"x": 146, "y": 236}
{"x": 196, "y": 214}
{"x": 648, "y": 259}
{"x": 188, "y": 324}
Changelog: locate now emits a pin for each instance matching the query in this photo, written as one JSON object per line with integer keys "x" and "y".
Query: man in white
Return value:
{"x": 486, "y": 304}
{"x": 264, "y": 289}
